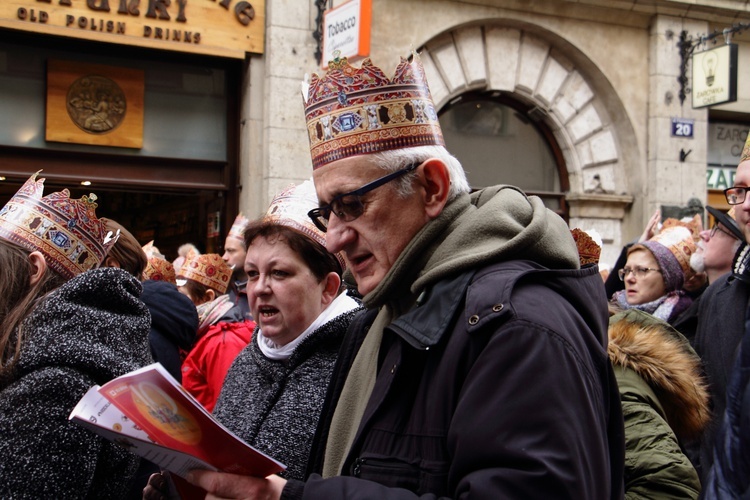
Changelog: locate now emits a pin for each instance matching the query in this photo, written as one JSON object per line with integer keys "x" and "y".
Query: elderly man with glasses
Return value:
{"x": 479, "y": 369}
{"x": 721, "y": 311}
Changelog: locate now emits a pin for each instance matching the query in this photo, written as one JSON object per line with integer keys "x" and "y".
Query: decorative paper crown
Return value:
{"x": 672, "y": 248}
{"x": 237, "y": 230}
{"x": 694, "y": 225}
{"x": 65, "y": 231}
{"x": 588, "y": 249}
{"x": 208, "y": 269}
{"x": 290, "y": 207}
{"x": 746, "y": 150}
{"x": 354, "y": 111}
{"x": 158, "y": 269}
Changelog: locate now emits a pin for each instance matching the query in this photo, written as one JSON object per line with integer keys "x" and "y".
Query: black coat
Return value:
{"x": 496, "y": 385}
{"x": 89, "y": 331}
{"x": 174, "y": 322}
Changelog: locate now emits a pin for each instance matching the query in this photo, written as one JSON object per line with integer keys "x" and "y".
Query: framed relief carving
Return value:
{"x": 94, "y": 104}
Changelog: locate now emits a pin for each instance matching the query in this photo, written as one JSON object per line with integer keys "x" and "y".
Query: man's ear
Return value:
{"x": 210, "y": 294}
{"x": 38, "y": 267}
{"x": 332, "y": 283}
{"x": 437, "y": 182}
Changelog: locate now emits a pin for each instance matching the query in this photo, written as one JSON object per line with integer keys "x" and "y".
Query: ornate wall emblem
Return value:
{"x": 96, "y": 104}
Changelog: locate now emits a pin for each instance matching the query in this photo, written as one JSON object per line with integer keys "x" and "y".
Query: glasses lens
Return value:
{"x": 348, "y": 208}
{"x": 735, "y": 195}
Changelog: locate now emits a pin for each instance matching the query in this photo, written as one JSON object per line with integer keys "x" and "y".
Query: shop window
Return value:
{"x": 501, "y": 141}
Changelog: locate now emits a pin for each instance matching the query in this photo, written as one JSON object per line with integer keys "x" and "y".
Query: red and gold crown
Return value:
{"x": 208, "y": 269}
{"x": 290, "y": 208}
{"x": 237, "y": 230}
{"x": 159, "y": 269}
{"x": 353, "y": 111}
{"x": 65, "y": 231}
{"x": 589, "y": 250}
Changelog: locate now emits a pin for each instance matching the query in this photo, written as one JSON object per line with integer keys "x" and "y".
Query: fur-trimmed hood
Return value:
{"x": 663, "y": 358}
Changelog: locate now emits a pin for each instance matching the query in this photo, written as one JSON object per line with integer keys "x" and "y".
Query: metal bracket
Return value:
{"x": 318, "y": 33}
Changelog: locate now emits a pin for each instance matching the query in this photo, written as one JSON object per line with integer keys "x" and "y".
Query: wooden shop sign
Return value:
{"x": 226, "y": 28}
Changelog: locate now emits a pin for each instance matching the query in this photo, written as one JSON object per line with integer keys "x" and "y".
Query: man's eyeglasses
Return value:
{"x": 638, "y": 272}
{"x": 735, "y": 195}
{"x": 718, "y": 228}
{"x": 348, "y": 206}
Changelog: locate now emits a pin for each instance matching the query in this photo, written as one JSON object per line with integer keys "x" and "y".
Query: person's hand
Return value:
{"x": 231, "y": 486}
{"x": 650, "y": 229}
{"x": 156, "y": 489}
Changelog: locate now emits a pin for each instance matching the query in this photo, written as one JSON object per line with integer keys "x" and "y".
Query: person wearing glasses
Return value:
{"x": 718, "y": 246}
{"x": 479, "y": 368}
{"x": 721, "y": 320}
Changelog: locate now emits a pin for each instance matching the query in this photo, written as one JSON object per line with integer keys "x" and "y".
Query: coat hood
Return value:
{"x": 93, "y": 323}
{"x": 663, "y": 358}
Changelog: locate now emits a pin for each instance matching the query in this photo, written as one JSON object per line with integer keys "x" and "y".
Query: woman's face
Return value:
{"x": 650, "y": 286}
{"x": 285, "y": 296}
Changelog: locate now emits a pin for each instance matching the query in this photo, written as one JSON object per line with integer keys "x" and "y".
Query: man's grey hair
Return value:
{"x": 396, "y": 159}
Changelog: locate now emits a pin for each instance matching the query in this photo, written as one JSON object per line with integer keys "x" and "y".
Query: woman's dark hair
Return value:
{"x": 127, "y": 252}
{"x": 318, "y": 259}
{"x": 17, "y": 298}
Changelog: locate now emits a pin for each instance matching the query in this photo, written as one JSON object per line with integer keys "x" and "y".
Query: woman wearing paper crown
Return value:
{"x": 223, "y": 330}
{"x": 655, "y": 272}
{"x": 273, "y": 394}
{"x": 64, "y": 326}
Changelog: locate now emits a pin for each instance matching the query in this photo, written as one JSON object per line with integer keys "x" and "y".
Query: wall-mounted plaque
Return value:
{"x": 94, "y": 104}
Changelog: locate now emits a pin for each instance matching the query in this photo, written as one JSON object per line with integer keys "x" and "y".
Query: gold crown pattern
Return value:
{"x": 237, "y": 230}
{"x": 159, "y": 269}
{"x": 290, "y": 207}
{"x": 208, "y": 269}
{"x": 65, "y": 231}
{"x": 588, "y": 249}
{"x": 746, "y": 150}
{"x": 353, "y": 111}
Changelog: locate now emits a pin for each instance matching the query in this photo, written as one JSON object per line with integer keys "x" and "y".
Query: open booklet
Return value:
{"x": 148, "y": 412}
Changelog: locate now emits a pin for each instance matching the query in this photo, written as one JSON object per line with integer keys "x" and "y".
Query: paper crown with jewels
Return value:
{"x": 237, "y": 231}
{"x": 159, "y": 269}
{"x": 746, "y": 150}
{"x": 588, "y": 244}
{"x": 353, "y": 111}
{"x": 290, "y": 207}
{"x": 208, "y": 269}
{"x": 65, "y": 231}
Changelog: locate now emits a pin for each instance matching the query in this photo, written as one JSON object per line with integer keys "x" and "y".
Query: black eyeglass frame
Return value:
{"x": 320, "y": 214}
{"x": 716, "y": 228}
{"x": 739, "y": 189}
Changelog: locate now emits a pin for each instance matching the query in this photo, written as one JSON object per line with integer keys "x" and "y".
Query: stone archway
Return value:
{"x": 534, "y": 69}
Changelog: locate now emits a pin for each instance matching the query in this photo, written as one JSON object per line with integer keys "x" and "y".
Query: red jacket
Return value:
{"x": 208, "y": 362}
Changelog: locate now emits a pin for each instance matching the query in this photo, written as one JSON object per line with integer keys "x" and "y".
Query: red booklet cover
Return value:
{"x": 158, "y": 405}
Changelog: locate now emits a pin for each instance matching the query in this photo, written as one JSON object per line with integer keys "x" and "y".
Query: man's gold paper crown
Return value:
{"x": 290, "y": 207}
{"x": 208, "y": 269}
{"x": 65, "y": 231}
{"x": 353, "y": 111}
{"x": 237, "y": 230}
{"x": 746, "y": 150}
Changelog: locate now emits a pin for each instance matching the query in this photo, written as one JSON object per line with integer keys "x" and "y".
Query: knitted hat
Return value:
{"x": 208, "y": 269}
{"x": 672, "y": 249}
{"x": 158, "y": 269}
{"x": 65, "y": 231}
{"x": 290, "y": 208}
{"x": 353, "y": 111}
{"x": 237, "y": 231}
{"x": 728, "y": 220}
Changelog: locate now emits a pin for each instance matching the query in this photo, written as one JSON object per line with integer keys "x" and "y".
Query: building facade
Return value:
{"x": 574, "y": 101}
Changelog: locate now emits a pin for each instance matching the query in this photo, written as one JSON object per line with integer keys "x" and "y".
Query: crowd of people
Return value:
{"x": 387, "y": 332}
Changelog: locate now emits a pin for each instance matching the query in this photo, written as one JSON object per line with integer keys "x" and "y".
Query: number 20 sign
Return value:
{"x": 682, "y": 127}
